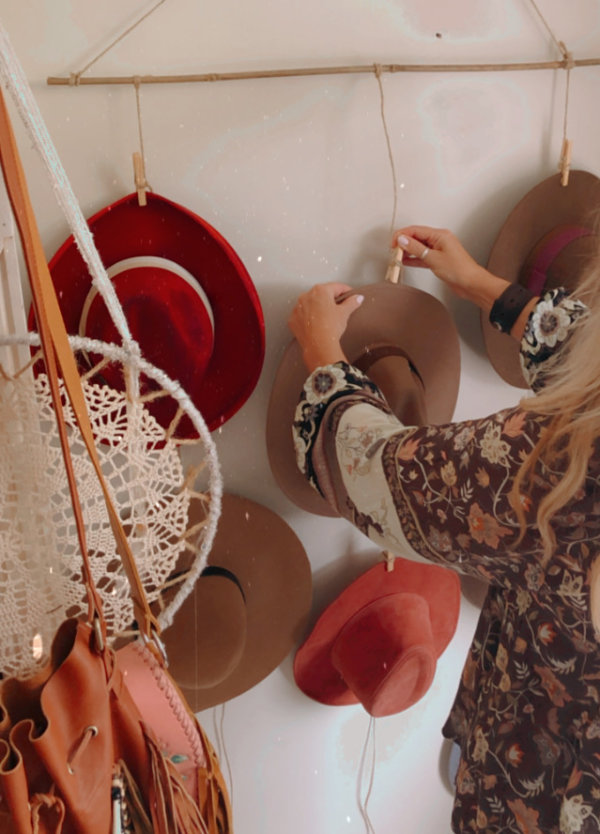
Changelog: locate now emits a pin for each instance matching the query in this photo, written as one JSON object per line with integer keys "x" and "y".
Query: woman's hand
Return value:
{"x": 318, "y": 322}
{"x": 440, "y": 251}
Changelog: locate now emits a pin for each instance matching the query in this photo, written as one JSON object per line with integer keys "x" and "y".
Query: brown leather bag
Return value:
{"x": 77, "y": 756}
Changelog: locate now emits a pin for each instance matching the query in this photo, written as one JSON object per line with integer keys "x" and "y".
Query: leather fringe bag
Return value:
{"x": 77, "y": 753}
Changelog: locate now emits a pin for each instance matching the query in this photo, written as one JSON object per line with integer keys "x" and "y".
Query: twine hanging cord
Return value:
{"x": 377, "y": 69}
{"x": 141, "y": 182}
{"x": 76, "y": 79}
{"x": 568, "y": 64}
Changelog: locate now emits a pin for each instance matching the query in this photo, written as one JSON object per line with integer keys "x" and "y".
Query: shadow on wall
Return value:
{"x": 478, "y": 233}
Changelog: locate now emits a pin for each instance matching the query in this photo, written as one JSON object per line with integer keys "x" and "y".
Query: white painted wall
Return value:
{"x": 295, "y": 174}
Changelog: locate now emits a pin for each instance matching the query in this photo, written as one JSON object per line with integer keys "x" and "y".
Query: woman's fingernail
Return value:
{"x": 403, "y": 240}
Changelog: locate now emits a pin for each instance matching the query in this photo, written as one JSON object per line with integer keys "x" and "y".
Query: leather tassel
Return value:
{"x": 173, "y": 809}
{"x": 213, "y": 796}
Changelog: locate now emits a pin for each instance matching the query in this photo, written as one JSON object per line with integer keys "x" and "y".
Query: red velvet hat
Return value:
{"x": 187, "y": 297}
{"x": 378, "y": 643}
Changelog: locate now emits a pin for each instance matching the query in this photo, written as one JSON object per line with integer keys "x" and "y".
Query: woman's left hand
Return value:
{"x": 318, "y": 322}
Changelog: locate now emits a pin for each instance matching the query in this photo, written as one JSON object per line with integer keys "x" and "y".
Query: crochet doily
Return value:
{"x": 40, "y": 561}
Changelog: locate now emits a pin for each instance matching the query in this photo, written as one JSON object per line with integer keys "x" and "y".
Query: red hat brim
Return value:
{"x": 167, "y": 230}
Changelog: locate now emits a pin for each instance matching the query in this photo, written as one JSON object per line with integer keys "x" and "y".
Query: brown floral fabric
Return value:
{"x": 527, "y": 711}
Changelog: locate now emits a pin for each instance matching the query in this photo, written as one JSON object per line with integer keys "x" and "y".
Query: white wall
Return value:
{"x": 295, "y": 174}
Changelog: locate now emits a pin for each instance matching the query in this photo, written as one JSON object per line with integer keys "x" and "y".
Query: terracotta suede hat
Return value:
{"x": 378, "y": 643}
{"x": 187, "y": 298}
{"x": 547, "y": 241}
{"x": 248, "y": 609}
{"x": 405, "y": 340}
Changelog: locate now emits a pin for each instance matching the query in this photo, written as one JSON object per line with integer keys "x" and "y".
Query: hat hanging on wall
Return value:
{"x": 405, "y": 340}
{"x": 187, "y": 297}
{"x": 247, "y": 610}
{"x": 547, "y": 241}
{"x": 378, "y": 643}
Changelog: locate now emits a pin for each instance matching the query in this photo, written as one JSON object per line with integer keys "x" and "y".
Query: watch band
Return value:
{"x": 508, "y": 306}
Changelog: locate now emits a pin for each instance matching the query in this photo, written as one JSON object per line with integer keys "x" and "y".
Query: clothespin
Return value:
{"x": 389, "y": 560}
{"x": 139, "y": 174}
{"x": 394, "y": 270}
{"x": 564, "y": 166}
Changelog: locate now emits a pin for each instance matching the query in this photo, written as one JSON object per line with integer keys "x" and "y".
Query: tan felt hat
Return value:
{"x": 547, "y": 241}
{"x": 405, "y": 340}
{"x": 248, "y": 609}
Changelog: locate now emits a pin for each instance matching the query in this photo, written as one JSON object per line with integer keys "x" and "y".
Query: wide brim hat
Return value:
{"x": 247, "y": 610}
{"x": 547, "y": 241}
{"x": 405, "y": 340}
{"x": 187, "y": 297}
{"x": 379, "y": 641}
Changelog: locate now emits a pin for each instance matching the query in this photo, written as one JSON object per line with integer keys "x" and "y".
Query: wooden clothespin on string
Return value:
{"x": 139, "y": 175}
{"x": 389, "y": 560}
{"x": 139, "y": 164}
{"x": 395, "y": 267}
{"x": 564, "y": 165}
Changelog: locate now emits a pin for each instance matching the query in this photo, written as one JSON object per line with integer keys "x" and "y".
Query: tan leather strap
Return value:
{"x": 58, "y": 353}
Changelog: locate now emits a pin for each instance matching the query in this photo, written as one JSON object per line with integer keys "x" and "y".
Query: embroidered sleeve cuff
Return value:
{"x": 549, "y": 325}
{"x": 322, "y": 387}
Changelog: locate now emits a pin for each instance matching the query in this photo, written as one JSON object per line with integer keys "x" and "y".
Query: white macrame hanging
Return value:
{"x": 40, "y": 582}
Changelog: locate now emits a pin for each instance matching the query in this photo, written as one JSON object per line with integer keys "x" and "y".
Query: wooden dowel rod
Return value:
{"x": 75, "y": 80}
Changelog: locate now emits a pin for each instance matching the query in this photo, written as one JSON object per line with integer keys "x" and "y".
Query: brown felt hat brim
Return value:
{"x": 547, "y": 206}
{"x": 391, "y": 316}
{"x": 241, "y": 629}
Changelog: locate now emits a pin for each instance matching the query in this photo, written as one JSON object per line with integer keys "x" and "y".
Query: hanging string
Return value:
{"x": 564, "y": 164}
{"x": 394, "y": 270}
{"x": 388, "y": 143}
{"x": 219, "y": 731}
{"x": 362, "y": 803}
{"x": 136, "y": 84}
{"x": 75, "y": 77}
{"x": 558, "y": 42}
{"x": 139, "y": 159}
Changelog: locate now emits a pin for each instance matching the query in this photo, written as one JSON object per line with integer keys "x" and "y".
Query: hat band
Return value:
{"x": 147, "y": 262}
{"x": 217, "y": 570}
{"x": 550, "y": 248}
{"x": 373, "y": 353}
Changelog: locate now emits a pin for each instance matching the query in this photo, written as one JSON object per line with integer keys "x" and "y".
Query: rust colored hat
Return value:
{"x": 546, "y": 242}
{"x": 248, "y": 609}
{"x": 378, "y": 643}
{"x": 405, "y": 340}
{"x": 187, "y": 298}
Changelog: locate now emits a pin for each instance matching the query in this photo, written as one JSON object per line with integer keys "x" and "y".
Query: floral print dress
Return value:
{"x": 527, "y": 711}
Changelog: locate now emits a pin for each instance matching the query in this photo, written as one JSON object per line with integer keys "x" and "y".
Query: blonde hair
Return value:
{"x": 571, "y": 400}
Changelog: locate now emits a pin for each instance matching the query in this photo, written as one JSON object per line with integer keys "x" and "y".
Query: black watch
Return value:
{"x": 508, "y": 306}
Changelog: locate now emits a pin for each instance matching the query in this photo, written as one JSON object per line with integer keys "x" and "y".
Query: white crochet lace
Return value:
{"x": 40, "y": 561}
